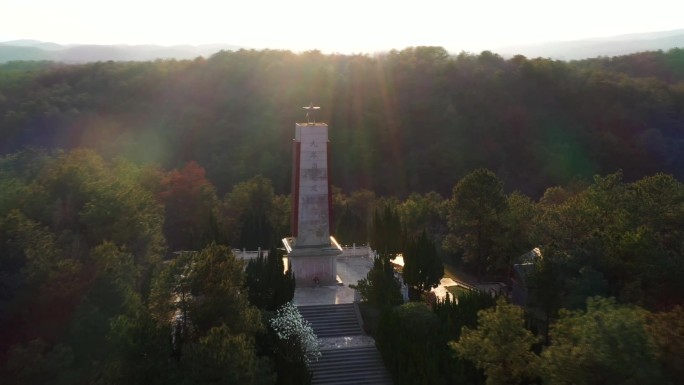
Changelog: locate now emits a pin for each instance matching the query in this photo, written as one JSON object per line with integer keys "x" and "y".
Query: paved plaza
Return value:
{"x": 349, "y": 271}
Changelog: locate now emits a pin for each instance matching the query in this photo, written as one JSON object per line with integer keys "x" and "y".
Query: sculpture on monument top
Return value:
{"x": 310, "y": 109}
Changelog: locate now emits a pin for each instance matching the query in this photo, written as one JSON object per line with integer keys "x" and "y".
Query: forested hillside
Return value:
{"x": 414, "y": 120}
{"x": 129, "y": 164}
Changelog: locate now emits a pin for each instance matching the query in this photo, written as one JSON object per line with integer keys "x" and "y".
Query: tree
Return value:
{"x": 248, "y": 214}
{"x": 112, "y": 294}
{"x": 291, "y": 327}
{"x": 424, "y": 212}
{"x": 191, "y": 206}
{"x": 455, "y": 314}
{"x": 140, "y": 351}
{"x": 37, "y": 363}
{"x": 297, "y": 345}
{"x": 170, "y": 296}
{"x": 423, "y": 269}
{"x": 350, "y": 227}
{"x": 386, "y": 232}
{"x": 88, "y": 201}
{"x": 380, "y": 288}
{"x": 546, "y": 286}
{"x": 518, "y": 222}
{"x": 224, "y": 356}
{"x": 77, "y": 252}
{"x": 500, "y": 345}
{"x": 607, "y": 344}
{"x": 267, "y": 282}
{"x": 653, "y": 255}
{"x": 215, "y": 327}
{"x": 617, "y": 239}
{"x": 353, "y": 215}
{"x": 538, "y": 122}
{"x": 408, "y": 339}
{"x": 666, "y": 330}
{"x": 216, "y": 285}
{"x": 474, "y": 218}
{"x": 461, "y": 311}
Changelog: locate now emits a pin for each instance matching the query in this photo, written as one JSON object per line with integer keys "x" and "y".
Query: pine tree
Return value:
{"x": 423, "y": 269}
{"x": 269, "y": 285}
{"x": 386, "y": 232}
{"x": 380, "y": 287}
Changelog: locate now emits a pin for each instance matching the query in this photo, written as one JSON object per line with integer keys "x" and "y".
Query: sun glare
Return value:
{"x": 352, "y": 26}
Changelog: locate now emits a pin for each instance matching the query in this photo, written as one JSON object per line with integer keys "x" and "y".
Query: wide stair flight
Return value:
{"x": 348, "y": 365}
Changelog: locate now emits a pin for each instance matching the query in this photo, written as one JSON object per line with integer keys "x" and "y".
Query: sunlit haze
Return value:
{"x": 339, "y": 26}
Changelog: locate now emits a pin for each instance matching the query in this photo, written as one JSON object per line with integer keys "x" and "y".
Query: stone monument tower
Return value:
{"x": 311, "y": 249}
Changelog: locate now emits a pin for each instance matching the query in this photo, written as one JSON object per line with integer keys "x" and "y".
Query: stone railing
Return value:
{"x": 347, "y": 251}
{"x": 249, "y": 254}
{"x": 356, "y": 251}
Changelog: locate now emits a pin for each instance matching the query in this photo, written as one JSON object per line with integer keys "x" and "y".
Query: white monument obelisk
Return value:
{"x": 311, "y": 249}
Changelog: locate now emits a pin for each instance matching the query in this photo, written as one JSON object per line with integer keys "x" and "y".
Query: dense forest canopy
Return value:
{"x": 414, "y": 120}
{"x": 122, "y": 186}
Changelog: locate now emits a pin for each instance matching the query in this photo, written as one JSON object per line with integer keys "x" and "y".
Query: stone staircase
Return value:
{"x": 350, "y": 366}
{"x": 333, "y": 320}
{"x": 338, "y": 327}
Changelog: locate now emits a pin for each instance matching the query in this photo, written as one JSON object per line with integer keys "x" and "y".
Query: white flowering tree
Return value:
{"x": 296, "y": 346}
{"x": 295, "y": 333}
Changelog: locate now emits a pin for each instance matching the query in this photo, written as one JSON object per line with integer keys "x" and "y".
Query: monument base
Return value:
{"x": 313, "y": 265}
{"x": 314, "y": 270}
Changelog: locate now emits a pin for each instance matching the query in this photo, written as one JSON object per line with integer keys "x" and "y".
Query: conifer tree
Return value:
{"x": 423, "y": 269}
{"x": 269, "y": 285}
{"x": 386, "y": 232}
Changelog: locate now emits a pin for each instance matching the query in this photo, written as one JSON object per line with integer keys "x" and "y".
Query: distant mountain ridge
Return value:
{"x": 561, "y": 50}
{"x": 38, "y": 50}
{"x": 604, "y": 46}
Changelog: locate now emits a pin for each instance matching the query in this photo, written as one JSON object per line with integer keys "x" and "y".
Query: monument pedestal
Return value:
{"x": 313, "y": 265}
{"x": 314, "y": 270}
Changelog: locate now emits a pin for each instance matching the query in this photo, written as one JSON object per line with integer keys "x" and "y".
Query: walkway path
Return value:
{"x": 348, "y": 356}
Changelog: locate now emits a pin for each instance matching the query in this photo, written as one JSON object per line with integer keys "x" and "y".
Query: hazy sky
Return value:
{"x": 333, "y": 26}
